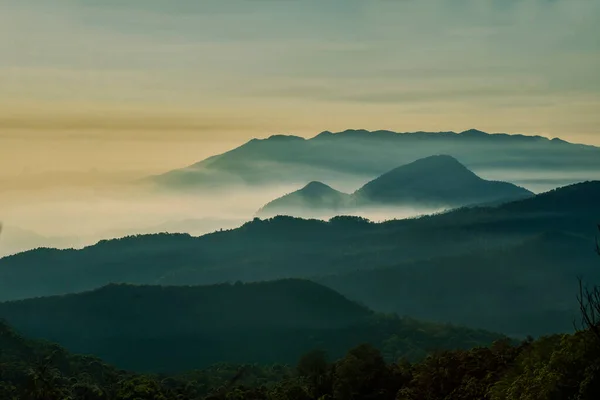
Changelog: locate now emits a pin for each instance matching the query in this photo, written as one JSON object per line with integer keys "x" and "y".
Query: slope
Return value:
{"x": 165, "y": 329}
{"x": 315, "y": 197}
{"x": 526, "y": 289}
{"x": 435, "y": 181}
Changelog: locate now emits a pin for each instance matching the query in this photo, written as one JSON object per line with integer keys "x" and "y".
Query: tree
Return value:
{"x": 363, "y": 374}
{"x": 314, "y": 368}
{"x": 589, "y": 304}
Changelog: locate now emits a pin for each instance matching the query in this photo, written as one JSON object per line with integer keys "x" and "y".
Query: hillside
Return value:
{"x": 357, "y": 155}
{"x": 44, "y": 370}
{"x": 315, "y": 197}
{"x": 435, "y": 181}
{"x": 286, "y": 247}
{"x": 527, "y": 289}
{"x": 564, "y": 367}
{"x": 166, "y": 329}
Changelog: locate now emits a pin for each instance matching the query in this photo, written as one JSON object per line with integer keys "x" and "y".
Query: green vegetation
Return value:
{"x": 555, "y": 367}
{"x": 173, "y": 329}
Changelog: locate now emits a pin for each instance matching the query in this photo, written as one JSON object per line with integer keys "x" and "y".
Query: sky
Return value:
{"x": 111, "y": 90}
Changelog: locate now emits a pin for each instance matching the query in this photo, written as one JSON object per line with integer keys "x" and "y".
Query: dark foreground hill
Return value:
{"x": 556, "y": 367}
{"x": 548, "y": 238}
{"x": 165, "y": 329}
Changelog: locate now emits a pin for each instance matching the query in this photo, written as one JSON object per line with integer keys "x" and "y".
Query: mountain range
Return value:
{"x": 352, "y": 157}
{"x": 525, "y": 254}
{"x": 435, "y": 182}
{"x": 173, "y": 329}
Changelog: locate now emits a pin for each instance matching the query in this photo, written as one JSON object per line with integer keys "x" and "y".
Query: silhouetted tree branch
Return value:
{"x": 589, "y": 303}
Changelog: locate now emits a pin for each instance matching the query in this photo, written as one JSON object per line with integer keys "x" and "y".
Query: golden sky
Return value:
{"x": 127, "y": 88}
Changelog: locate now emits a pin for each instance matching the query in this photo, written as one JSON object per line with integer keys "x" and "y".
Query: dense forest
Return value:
{"x": 554, "y": 367}
{"x": 173, "y": 329}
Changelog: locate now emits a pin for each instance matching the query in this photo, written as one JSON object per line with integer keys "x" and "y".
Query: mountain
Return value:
{"x": 167, "y": 329}
{"x": 44, "y": 370}
{"x": 436, "y": 181}
{"x": 314, "y": 198}
{"x": 526, "y": 289}
{"x": 286, "y": 247}
{"x": 354, "y": 156}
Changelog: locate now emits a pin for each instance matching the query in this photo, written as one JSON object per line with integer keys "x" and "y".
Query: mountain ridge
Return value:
{"x": 175, "y": 328}
{"x": 354, "y": 155}
{"x": 438, "y": 181}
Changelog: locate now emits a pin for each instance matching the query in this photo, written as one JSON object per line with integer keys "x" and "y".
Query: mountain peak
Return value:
{"x": 474, "y": 132}
{"x": 353, "y": 132}
{"x": 316, "y": 187}
{"x": 282, "y": 138}
{"x": 440, "y": 164}
{"x": 438, "y": 159}
{"x": 315, "y": 195}
{"x": 439, "y": 180}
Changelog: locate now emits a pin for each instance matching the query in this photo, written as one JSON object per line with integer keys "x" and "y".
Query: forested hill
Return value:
{"x": 526, "y": 289}
{"x": 556, "y": 367}
{"x": 165, "y": 329}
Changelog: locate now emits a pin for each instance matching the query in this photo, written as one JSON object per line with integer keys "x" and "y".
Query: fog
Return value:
{"x": 539, "y": 181}
{"x": 80, "y": 216}
{"x": 74, "y": 217}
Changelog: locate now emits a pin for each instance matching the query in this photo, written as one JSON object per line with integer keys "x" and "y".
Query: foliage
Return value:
{"x": 174, "y": 329}
{"x": 555, "y": 367}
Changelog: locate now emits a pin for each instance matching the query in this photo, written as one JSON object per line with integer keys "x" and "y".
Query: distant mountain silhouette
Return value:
{"x": 353, "y": 156}
{"x": 167, "y": 329}
{"x": 313, "y": 198}
{"x": 287, "y": 247}
{"x": 436, "y": 181}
